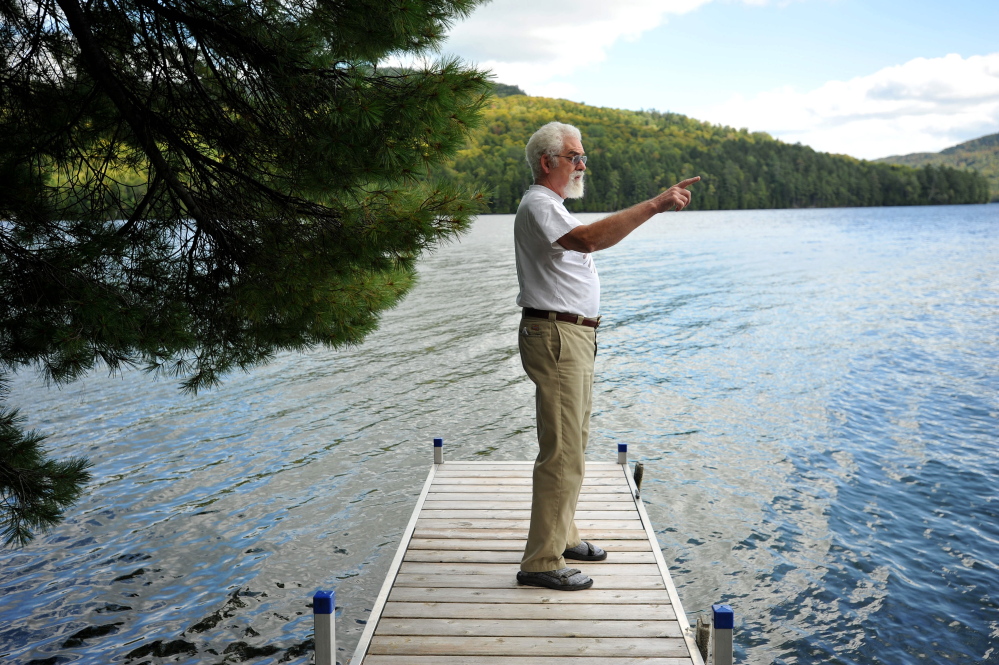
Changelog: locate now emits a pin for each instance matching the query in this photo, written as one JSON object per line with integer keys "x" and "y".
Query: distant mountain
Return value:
{"x": 504, "y": 90}
{"x": 633, "y": 155}
{"x": 980, "y": 154}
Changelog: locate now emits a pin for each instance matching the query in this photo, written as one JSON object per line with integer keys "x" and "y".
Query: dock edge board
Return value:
{"x": 681, "y": 616}
{"x": 383, "y": 594}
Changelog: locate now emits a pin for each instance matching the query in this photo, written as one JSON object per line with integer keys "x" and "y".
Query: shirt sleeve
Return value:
{"x": 554, "y": 221}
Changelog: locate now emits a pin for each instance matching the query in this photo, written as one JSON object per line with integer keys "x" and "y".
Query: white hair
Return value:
{"x": 549, "y": 140}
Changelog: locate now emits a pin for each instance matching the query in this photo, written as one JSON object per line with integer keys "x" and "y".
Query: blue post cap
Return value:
{"x": 622, "y": 447}
{"x": 438, "y": 443}
{"x": 323, "y": 602}
{"x": 724, "y": 617}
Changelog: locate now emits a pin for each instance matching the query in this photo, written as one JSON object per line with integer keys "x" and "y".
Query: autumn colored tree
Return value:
{"x": 634, "y": 155}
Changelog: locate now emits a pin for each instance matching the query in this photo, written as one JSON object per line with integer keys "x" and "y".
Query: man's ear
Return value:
{"x": 546, "y": 163}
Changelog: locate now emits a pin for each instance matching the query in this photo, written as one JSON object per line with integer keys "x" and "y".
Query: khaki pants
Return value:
{"x": 558, "y": 358}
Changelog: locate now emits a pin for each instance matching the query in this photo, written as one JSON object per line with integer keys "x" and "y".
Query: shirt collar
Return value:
{"x": 549, "y": 192}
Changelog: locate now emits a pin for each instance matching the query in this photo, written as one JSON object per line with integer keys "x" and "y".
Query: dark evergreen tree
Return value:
{"x": 193, "y": 185}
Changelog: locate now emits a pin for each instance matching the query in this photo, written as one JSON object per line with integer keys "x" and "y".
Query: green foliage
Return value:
{"x": 635, "y": 155}
{"x": 193, "y": 186}
{"x": 34, "y": 490}
{"x": 981, "y": 155}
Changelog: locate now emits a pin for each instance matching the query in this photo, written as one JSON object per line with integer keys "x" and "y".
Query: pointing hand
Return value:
{"x": 676, "y": 197}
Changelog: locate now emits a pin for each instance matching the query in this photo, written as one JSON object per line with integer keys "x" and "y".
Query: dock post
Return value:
{"x": 324, "y": 615}
{"x": 723, "y": 620}
{"x": 438, "y": 451}
{"x": 622, "y": 453}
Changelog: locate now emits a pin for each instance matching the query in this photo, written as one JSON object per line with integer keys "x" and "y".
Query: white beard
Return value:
{"x": 574, "y": 190}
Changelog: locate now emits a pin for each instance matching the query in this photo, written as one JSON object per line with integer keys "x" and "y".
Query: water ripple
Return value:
{"x": 815, "y": 395}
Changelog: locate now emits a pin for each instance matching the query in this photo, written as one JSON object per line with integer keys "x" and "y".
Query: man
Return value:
{"x": 560, "y": 294}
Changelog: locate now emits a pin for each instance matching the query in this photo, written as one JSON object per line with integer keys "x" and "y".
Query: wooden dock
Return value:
{"x": 451, "y": 595}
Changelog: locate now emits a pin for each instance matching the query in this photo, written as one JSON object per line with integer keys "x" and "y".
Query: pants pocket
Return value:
{"x": 555, "y": 341}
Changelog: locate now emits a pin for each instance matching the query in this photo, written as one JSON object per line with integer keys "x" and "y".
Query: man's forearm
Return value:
{"x": 609, "y": 231}
{"x": 612, "y": 230}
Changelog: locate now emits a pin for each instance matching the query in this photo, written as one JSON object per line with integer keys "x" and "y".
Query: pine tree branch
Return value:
{"x": 34, "y": 490}
{"x": 282, "y": 207}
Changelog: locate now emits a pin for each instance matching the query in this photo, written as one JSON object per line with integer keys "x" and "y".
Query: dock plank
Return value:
{"x": 620, "y": 612}
{"x": 607, "y": 567}
{"x": 519, "y": 660}
{"x": 503, "y": 513}
{"x": 516, "y": 544}
{"x": 590, "y": 533}
{"x": 512, "y": 556}
{"x": 480, "y": 487}
{"x": 527, "y": 594}
{"x": 527, "y": 466}
{"x": 523, "y": 627}
{"x": 509, "y": 580}
{"x": 474, "y": 473}
{"x": 506, "y": 524}
{"x": 526, "y": 481}
{"x": 522, "y": 496}
{"x": 452, "y": 596}
{"x": 446, "y": 645}
{"x": 433, "y": 503}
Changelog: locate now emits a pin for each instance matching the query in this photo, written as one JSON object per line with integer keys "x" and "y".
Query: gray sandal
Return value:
{"x": 563, "y": 579}
{"x": 585, "y": 551}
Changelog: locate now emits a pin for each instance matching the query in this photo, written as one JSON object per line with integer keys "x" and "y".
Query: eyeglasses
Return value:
{"x": 576, "y": 159}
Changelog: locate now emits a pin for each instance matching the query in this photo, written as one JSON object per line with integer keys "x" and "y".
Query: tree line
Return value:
{"x": 634, "y": 155}
{"x": 981, "y": 155}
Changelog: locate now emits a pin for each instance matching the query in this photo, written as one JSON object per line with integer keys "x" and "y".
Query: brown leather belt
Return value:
{"x": 562, "y": 316}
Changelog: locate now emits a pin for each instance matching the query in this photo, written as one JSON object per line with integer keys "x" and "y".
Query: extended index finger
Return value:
{"x": 688, "y": 182}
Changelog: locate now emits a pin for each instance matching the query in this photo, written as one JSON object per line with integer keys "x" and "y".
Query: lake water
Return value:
{"x": 814, "y": 393}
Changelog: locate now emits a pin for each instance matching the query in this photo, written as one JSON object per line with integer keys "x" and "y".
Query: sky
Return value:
{"x": 867, "y": 78}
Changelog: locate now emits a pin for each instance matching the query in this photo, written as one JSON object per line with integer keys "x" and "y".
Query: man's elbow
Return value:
{"x": 579, "y": 241}
{"x": 588, "y": 244}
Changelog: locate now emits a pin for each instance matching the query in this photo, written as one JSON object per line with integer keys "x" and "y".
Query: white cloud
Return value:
{"x": 532, "y": 42}
{"x": 923, "y": 105}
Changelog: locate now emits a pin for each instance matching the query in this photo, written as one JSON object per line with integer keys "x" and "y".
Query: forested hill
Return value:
{"x": 633, "y": 155}
{"x": 981, "y": 154}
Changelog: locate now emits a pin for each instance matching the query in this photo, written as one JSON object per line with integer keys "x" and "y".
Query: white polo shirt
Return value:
{"x": 551, "y": 277}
